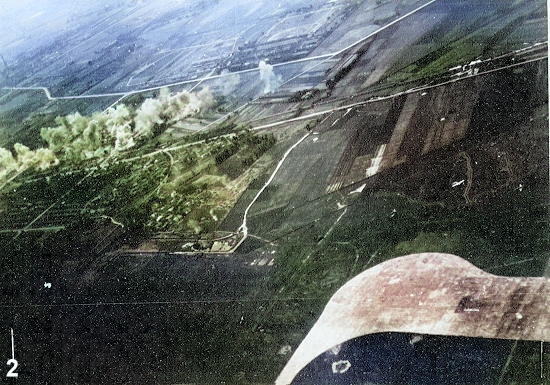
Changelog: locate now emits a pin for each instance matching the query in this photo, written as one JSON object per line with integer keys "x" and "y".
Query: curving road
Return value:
{"x": 243, "y": 226}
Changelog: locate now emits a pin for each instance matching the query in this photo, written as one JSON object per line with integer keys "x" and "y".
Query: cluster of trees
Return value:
{"x": 195, "y": 198}
{"x": 255, "y": 146}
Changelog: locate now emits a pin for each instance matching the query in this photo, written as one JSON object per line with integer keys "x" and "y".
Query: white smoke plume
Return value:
{"x": 45, "y": 158}
{"x": 25, "y": 156}
{"x": 117, "y": 118}
{"x": 147, "y": 115}
{"x": 77, "y": 137}
{"x": 271, "y": 81}
{"x": 57, "y": 137}
{"x": 77, "y": 123}
{"x": 124, "y": 140}
{"x": 185, "y": 104}
{"x": 206, "y": 99}
{"x": 7, "y": 163}
{"x": 41, "y": 159}
{"x": 6, "y": 159}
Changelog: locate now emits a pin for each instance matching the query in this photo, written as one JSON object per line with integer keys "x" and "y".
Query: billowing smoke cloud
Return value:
{"x": 147, "y": 115}
{"x": 77, "y": 137}
{"x": 124, "y": 140}
{"x": 7, "y": 163}
{"x": 80, "y": 137}
{"x": 184, "y": 104}
{"x": 41, "y": 159}
{"x": 45, "y": 158}
{"x": 271, "y": 81}
{"x": 206, "y": 99}
{"x": 6, "y": 159}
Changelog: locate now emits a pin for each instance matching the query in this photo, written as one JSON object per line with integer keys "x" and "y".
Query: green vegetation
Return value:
{"x": 528, "y": 364}
{"x": 23, "y": 113}
{"x": 121, "y": 174}
{"x": 384, "y": 225}
{"x": 200, "y": 190}
{"x": 374, "y": 229}
{"x": 117, "y": 171}
{"x": 241, "y": 342}
{"x": 459, "y": 40}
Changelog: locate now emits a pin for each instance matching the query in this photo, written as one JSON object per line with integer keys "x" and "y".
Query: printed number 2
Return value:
{"x": 11, "y": 372}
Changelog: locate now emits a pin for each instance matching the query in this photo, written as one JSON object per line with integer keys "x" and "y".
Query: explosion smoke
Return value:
{"x": 271, "y": 81}
{"x": 7, "y": 163}
{"x": 185, "y": 104}
{"x": 147, "y": 115}
{"x": 77, "y": 137}
{"x": 41, "y": 159}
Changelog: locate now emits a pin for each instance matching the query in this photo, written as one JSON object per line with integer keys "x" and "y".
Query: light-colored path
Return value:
{"x": 244, "y": 228}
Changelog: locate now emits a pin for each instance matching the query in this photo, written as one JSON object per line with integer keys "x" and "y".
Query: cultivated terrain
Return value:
{"x": 184, "y": 185}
